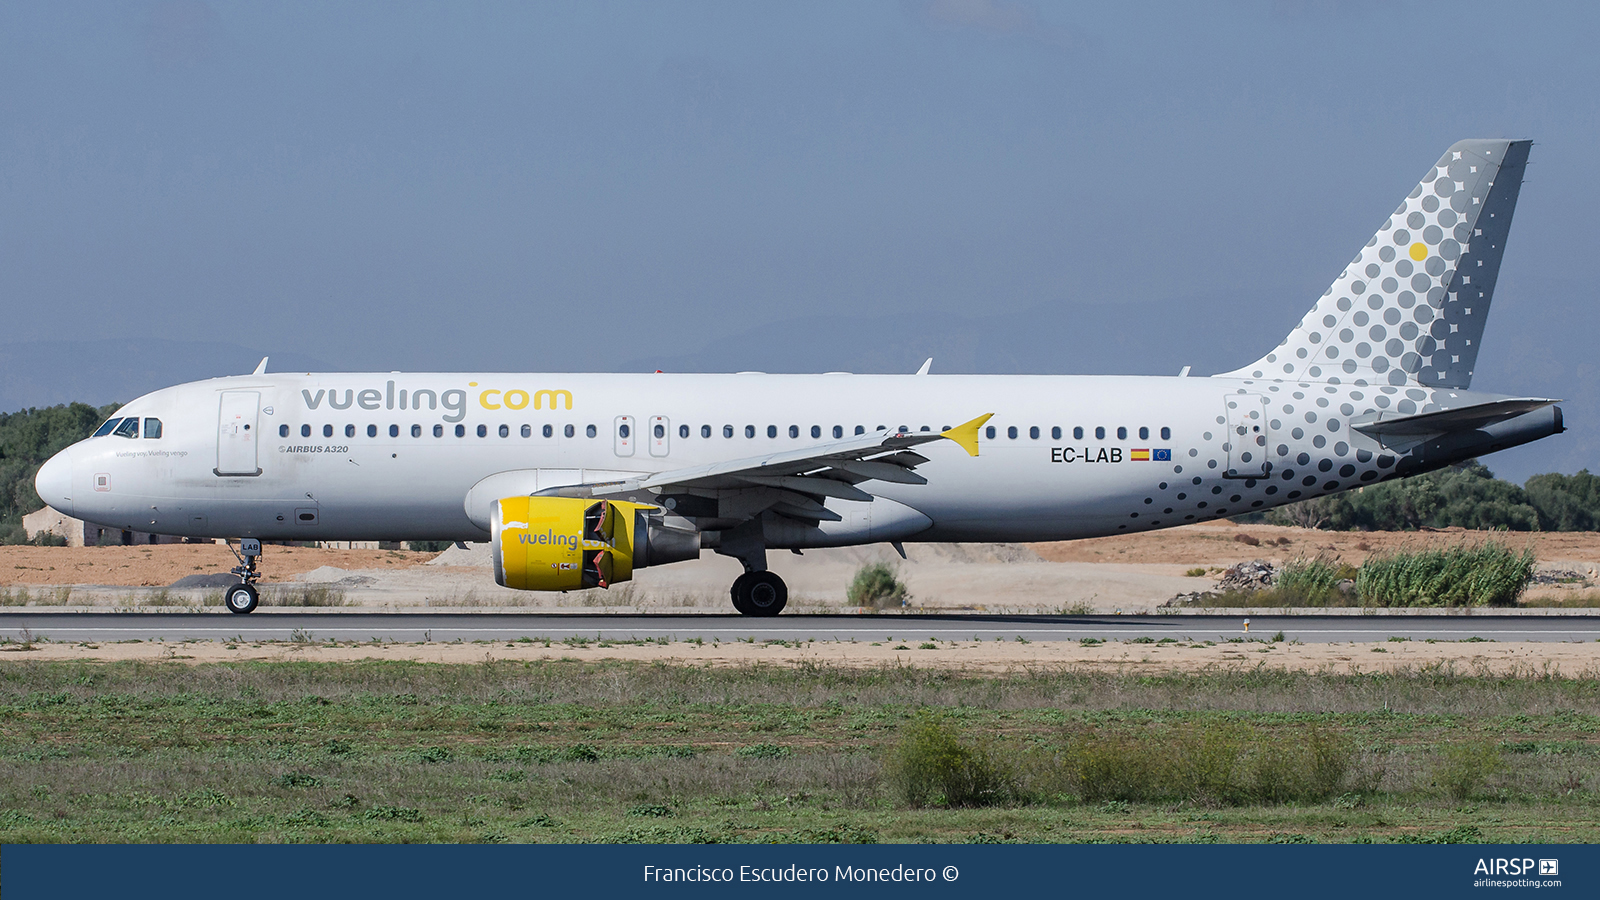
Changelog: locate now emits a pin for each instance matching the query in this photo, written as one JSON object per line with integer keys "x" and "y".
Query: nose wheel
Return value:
{"x": 760, "y": 594}
{"x": 243, "y": 598}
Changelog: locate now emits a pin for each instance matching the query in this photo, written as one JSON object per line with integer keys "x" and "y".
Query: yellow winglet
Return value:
{"x": 967, "y": 435}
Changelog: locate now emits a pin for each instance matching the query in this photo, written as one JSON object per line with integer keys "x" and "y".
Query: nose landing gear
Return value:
{"x": 243, "y": 597}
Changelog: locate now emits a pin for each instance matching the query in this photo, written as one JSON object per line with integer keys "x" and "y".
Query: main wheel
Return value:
{"x": 241, "y": 598}
{"x": 760, "y": 594}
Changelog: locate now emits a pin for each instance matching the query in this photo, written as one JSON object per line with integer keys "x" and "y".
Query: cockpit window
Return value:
{"x": 105, "y": 429}
{"x": 128, "y": 429}
{"x": 152, "y": 428}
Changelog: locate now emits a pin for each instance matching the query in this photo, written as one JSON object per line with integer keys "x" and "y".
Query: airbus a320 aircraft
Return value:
{"x": 578, "y": 480}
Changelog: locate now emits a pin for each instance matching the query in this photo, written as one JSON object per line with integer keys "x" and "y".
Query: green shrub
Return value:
{"x": 878, "y": 586}
{"x": 1312, "y": 582}
{"x": 1489, "y": 574}
{"x": 1462, "y": 768}
{"x": 1217, "y": 764}
{"x": 933, "y": 766}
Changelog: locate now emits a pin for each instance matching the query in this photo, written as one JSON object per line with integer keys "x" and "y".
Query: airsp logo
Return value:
{"x": 1500, "y": 866}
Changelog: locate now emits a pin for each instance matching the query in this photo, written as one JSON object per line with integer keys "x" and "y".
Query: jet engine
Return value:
{"x": 568, "y": 543}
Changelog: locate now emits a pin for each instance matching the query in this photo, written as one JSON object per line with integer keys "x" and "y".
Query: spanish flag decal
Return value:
{"x": 1139, "y": 455}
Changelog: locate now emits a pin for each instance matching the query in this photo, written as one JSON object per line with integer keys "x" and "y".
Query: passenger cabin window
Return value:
{"x": 861, "y": 429}
{"x": 816, "y": 431}
{"x": 416, "y": 431}
{"x": 1144, "y": 433}
{"x": 660, "y": 431}
{"x": 152, "y": 428}
{"x": 327, "y": 431}
{"x": 305, "y": 431}
{"x": 349, "y": 431}
{"x": 568, "y": 431}
{"x": 705, "y": 431}
{"x": 128, "y": 429}
{"x": 549, "y": 431}
{"x": 283, "y": 431}
{"x": 772, "y": 431}
{"x": 1012, "y": 432}
{"x": 105, "y": 429}
{"x": 438, "y": 431}
{"x": 683, "y": 431}
{"x": 1055, "y": 433}
{"x": 1166, "y": 434}
{"x": 372, "y": 431}
{"x": 623, "y": 430}
{"x": 1122, "y": 434}
{"x": 838, "y": 431}
{"x": 794, "y": 431}
{"x": 1077, "y": 433}
{"x": 1100, "y": 432}
{"x": 749, "y": 431}
{"x": 590, "y": 430}
{"x": 1033, "y": 432}
{"x": 989, "y": 432}
{"x": 483, "y": 431}
{"x": 505, "y": 431}
{"x": 394, "y": 431}
{"x": 461, "y": 431}
{"x": 527, "y": 431}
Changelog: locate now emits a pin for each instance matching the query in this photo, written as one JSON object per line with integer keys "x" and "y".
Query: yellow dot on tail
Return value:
{"x": 1419, "y": 251}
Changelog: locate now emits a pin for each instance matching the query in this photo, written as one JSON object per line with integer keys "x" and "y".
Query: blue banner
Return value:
{"x": 274, "y": 872}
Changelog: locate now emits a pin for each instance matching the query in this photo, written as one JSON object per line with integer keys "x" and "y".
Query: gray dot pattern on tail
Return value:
{"x": 1410, "y": 309}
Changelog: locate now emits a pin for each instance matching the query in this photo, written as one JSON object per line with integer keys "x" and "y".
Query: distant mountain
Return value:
{"x": 45, "y": 373}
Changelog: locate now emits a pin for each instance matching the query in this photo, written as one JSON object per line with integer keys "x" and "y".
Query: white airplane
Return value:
{"x": 579, "y": 479}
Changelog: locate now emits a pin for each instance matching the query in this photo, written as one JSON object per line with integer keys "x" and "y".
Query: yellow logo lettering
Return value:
{"x": 540, "y": 396}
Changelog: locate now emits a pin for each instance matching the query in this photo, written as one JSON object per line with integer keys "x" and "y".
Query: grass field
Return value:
{"x": 616, "y": 751}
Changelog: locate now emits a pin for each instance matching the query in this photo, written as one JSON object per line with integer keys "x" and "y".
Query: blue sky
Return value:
{"x": 725, "y": 185}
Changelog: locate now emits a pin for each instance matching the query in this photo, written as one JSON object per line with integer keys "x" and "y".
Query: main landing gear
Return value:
{"x": 760, "y": 594}
{"x": 243, "y": 597}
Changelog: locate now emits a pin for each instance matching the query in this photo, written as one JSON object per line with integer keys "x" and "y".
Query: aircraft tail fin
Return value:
{"x": 1410, "y": 309}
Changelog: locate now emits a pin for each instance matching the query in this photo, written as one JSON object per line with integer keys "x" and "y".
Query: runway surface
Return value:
{"x": 286, "y": 624}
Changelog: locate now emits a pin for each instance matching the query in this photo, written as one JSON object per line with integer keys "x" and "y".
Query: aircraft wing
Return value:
{"x": 795, "y": 483}
{"x": 1402, "y": 432}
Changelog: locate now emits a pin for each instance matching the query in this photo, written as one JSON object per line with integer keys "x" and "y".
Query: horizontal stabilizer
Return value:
{"x": 1403, "y": 431}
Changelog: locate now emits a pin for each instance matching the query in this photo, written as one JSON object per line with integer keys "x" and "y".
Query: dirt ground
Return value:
{"x": 1218, "y": 545}
{"x": 1209, "y": 545}
{"x": 1522, "y": 659}
{"x": 162, "y": 564}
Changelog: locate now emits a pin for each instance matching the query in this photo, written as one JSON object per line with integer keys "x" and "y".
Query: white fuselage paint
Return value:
{"x": 1017, "y": 489}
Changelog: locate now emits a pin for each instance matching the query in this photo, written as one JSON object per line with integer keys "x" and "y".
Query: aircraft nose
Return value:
{"x": 54, "y": 481}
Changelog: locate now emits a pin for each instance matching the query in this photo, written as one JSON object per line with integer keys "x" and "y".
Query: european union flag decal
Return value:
{"x": 1161, "y": 454}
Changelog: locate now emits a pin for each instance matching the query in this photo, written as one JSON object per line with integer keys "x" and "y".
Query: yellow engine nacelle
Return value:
{"x": 567, "y": 543}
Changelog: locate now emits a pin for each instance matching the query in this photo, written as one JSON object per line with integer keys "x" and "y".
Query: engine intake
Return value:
{"x": 568, "y": 543}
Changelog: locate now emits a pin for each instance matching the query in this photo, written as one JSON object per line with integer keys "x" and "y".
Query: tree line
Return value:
{"x": 1466, "y": 495}
{"x": 27, "y": 439}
